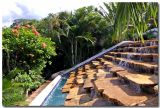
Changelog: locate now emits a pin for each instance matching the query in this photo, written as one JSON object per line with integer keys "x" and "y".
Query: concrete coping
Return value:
{"x": 45, "y": 92}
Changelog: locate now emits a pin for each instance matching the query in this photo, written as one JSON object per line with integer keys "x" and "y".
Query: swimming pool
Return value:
{"x": 56, "y": 97}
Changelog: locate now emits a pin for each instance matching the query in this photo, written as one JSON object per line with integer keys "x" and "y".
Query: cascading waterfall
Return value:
{"x": 153, "y": 43}
{"x": 146, "y": 50}
{"x": 122, "y": 63}
{"x": 125, "y": 63}
{"x": 139, "y": 50}
{"x": 142, "y": 50}
{"x": 135, "y": 87}
{"x": 140, "y": 58}
{"x": 129, "y": 56}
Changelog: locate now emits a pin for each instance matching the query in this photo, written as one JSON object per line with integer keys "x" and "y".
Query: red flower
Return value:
{"x": 15, "y": 31}
{"x": 44, "y": 45}
{"x": 17, "y": 26}
{"x": 35, "y": 31}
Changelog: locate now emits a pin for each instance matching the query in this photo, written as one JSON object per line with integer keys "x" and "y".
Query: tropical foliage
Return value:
{"x": 78, "y": 35}
{"x": 131, "y": 19}
{"x": 25, "y": 54}
{"x": 35, "y": 49}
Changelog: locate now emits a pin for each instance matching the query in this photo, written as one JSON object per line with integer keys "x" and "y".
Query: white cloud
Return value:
{"x": 9, "y": 6}
{"x": 13, "y": 9}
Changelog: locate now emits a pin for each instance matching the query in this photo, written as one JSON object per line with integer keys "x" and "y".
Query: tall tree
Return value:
{"x": 79, "y": 34}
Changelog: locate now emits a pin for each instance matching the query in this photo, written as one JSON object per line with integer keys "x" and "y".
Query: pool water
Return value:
{"x": 56, "y": 97}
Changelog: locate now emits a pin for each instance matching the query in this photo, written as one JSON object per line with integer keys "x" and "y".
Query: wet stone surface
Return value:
{"x": 130, "y": 82}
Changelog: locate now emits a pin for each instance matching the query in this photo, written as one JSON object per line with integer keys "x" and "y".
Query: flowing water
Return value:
{"x": 153, "y": 43}
{"x": 125, "y": 63}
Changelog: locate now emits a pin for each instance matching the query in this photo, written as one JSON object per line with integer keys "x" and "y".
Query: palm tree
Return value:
{"x": 77, "y": 34}
{"x": 132, "y": 18}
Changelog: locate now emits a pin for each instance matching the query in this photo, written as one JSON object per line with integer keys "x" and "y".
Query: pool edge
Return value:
{"x": 45, "y": 92}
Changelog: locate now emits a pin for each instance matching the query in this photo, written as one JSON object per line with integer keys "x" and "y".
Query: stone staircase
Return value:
{"x": 125, "y": 76}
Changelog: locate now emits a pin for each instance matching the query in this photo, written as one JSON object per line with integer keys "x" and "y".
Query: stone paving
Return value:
{"x": 105, "y": 82}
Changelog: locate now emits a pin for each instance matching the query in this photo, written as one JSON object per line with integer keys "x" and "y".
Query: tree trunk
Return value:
{"x": 80, "y": 53}
{"x": 75, "y": 52}
{"x": 72, "y": 54}
{"x": 7, "y": 61}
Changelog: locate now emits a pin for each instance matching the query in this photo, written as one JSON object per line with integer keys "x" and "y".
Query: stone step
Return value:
{"x": 146, "y": 43}
{"x": 88, "y": 84}
{"x": 114, "y": 69}
{"x": 96, "y": 64}
{"x": 81, "y": 76}
{"x": 92, "y": 76}
{"x": 140, "y": 44}
{"x": 72, "y": 93}
{"x": 146, "y": 57}
{"x": 70, "y": 81}
{"x": 95, "y": 61}
{"x": 78, "y": 100}
{"x": 81, "y": 73}
{"x": 80, "y": 81}
{"x": 138, "y": 82}
{"x": 72, "y": 74}
{"x": 97, "y": 102}
{"x": 80, "y": 69}
{"x": 146, "y": 49}
{"x": 102, "y": 74}
{"x": 87, "y": 66}
{"x": 108, "y": 63}
{"x": 91, "y": 70}
{"x": 100, "y": 84}
{"x": 99, "y": 67}
{"x": 101, "y": 59}
{"x": 66, "y": 88}
{"x": 119, "y": 86}
{"x": 138, "y": 78}
{"x": 120, "y": 94}
{"x": 153, "y": 102}
{"x": 133, "y": 64}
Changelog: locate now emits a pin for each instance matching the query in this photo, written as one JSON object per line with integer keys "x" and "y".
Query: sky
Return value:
{"x": 37, "y": 9}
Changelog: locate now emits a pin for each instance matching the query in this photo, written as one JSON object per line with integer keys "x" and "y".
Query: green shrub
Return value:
{"x": 27, "y": 51}
{"x": 11, "y": 93}
{"x": 25, "y": 54}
